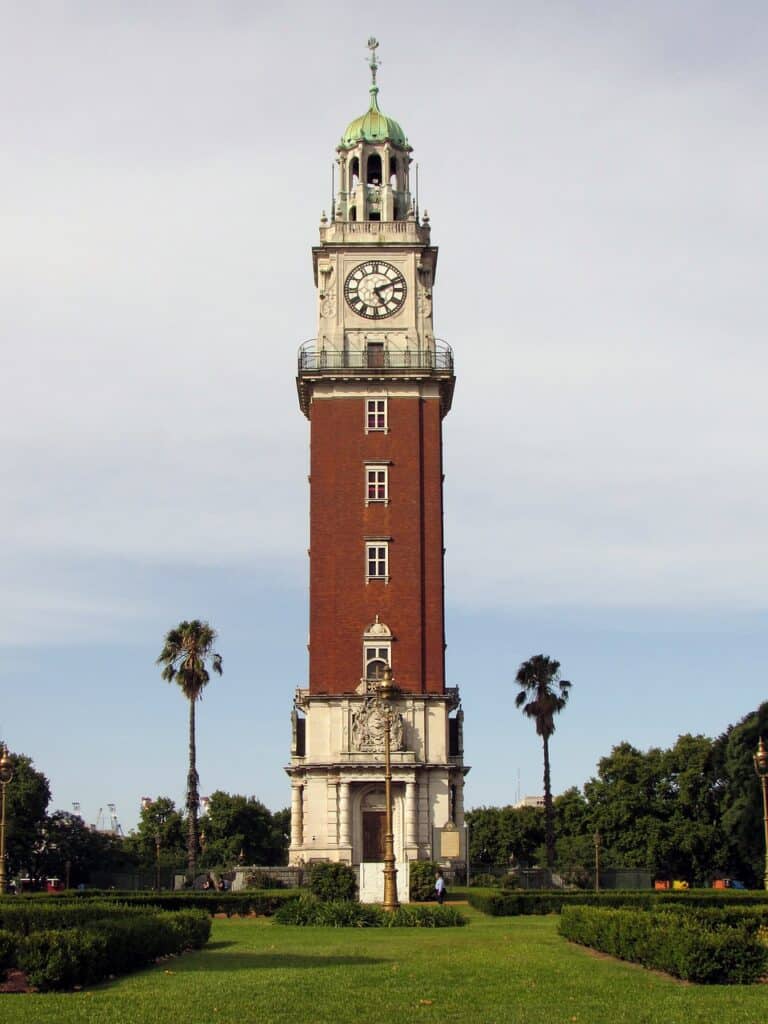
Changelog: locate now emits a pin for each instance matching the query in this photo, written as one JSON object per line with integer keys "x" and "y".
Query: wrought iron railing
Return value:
{"x": 375, "y": 357}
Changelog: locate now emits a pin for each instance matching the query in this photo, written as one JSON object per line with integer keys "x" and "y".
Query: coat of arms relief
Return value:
{"x": 368, "y": 726}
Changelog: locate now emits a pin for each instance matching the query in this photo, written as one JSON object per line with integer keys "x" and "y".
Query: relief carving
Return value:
{"x": 368, "y": 728}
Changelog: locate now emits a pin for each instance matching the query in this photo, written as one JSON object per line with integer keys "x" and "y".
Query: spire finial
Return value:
{"x": 374, "y": 63}
{"x": 373, "y": 45}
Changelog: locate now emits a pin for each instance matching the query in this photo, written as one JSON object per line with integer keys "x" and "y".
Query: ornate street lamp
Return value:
{"x": 6, "y": 774}
{"x": 761, "y": 767}
{"x": 386, "y": 692}
{"x": 598, "y": 839}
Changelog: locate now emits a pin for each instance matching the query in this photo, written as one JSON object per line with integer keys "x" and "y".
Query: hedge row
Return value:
{"x": 23, "y": 918}
{"x": 509, "y": 903}
{"x": 308, "y": 910}
{"x": 675, "y": 943}
{"x": 63, "y": 958}
{"x": 261, "y": 902}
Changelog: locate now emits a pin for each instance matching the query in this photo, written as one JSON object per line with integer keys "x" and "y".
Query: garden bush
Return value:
{"x": 309, "y": 910}
{"x": 508, "y": 903}
{"x": 422, "y": 879}
{"x": 408, "y": 916}
{"x": 484, "y": 881}
{"x": 263, "y": 880}
{"x": 263, "y": 903}
{"x": 332, "y": 881}
{"x": 678, "y": 944}
{"x": 113, "y": 940}
{"x": 7, "y": 951}
{"x": 344, "y": 913}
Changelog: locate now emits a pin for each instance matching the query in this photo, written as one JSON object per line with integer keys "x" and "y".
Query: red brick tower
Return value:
{"x": 375, "y": 384}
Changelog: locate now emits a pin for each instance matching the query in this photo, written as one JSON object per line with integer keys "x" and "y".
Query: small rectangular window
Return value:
{"x": 376, "y": 483}
{"x": 376, "y": 556}
{"x": 376, "y": 414}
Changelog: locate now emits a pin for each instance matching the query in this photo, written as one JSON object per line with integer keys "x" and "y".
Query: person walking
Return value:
{"x": 440, "y": 891}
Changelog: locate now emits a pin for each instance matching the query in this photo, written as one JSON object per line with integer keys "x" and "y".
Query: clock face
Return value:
{"x": 375, "y": 290}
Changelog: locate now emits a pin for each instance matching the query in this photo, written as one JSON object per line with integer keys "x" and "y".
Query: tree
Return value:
{"x": 235, "y": 824}
{"x": 159, "y": 818}
{"x": 68, "y": 849}
{"x": 658, "y": 809}
{"x": 501, "y": 836}
{"x": 740, "y": 799}
{"x": 186, "y": 657}
{"x": 543, "y": 694}
{"x": 28, "y": 794}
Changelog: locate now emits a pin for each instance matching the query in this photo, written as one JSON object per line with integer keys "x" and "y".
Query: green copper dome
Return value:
{"x": 373, "y": 126}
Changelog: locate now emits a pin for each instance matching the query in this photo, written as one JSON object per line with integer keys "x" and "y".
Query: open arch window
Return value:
{"x": 373, "y": 170}
{"x": 354, "y": 172}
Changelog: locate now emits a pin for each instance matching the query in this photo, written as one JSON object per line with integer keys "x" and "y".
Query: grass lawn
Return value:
{"x": 494, "y": 971}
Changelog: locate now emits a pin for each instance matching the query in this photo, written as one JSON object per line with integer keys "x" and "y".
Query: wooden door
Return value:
{"x": 374, "y": 825}
{"x": 375, "y": 350}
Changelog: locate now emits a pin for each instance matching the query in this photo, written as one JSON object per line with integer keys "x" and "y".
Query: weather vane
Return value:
{"x": 373, "y": 44}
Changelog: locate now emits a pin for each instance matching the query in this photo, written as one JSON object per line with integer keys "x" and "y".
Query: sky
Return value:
{"x": 594, "y": 174}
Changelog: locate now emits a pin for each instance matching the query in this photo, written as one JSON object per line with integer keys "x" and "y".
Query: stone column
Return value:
{"x": 297, "y": 816}
{"x": 411, "y": 837}
{"x": 459, "y": 809}
{"x": 345, "y": 835}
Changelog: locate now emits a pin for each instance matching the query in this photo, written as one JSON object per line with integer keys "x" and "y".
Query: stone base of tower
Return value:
{"x": 337, "y": 780}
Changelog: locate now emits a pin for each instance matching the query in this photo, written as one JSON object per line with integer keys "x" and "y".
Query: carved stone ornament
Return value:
{"x": 368, "y": 728}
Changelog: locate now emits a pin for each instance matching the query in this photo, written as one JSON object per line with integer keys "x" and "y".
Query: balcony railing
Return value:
{"x": 374, "y": 357}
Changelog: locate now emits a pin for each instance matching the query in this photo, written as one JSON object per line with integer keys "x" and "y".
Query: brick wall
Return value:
{"x": 342, "y": 603}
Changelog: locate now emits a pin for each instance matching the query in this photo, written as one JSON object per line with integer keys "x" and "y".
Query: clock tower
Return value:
{"x": 375, "y": 384}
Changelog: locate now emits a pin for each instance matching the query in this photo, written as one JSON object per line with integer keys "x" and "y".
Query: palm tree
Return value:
{"x": 543, "y": 694}
{"x": 186, "y": 656}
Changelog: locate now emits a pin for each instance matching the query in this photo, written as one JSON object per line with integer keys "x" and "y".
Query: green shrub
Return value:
{"x": 263, "y": 880}
{"x": 679, "y": 944}
{"x": 7, "y": 951}
{"x": 408, "y": 916}
{"x": 422, "y": 879}
{"x": 309, "y": 910}
{"x": 333, "y": 881}
{"x": 116, "y": 943}
{"x": 508, "y": 903}
{"x": 484, "y": 881}
{"x": 230, "y": 903}
{"x": 59, "y": 959}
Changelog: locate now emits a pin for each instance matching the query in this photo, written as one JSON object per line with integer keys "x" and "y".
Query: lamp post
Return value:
{"x": 386, "y": 691}
{"x": 597, "y": 840}
{"x": 761, "y": 767}
{"x": 160, "y": 817}
{"x": 6, "y": 774}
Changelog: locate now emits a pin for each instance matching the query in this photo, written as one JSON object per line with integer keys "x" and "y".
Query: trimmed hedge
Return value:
{"x": 676, "y": 943}
{"x": 63, "y": 958}
{"x": 506, "y": 903}
{"x": 308, "y": 910}
{"x": 261, "y": 902}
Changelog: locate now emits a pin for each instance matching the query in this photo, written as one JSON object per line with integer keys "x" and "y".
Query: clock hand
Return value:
{"x": 378, "y": 288}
